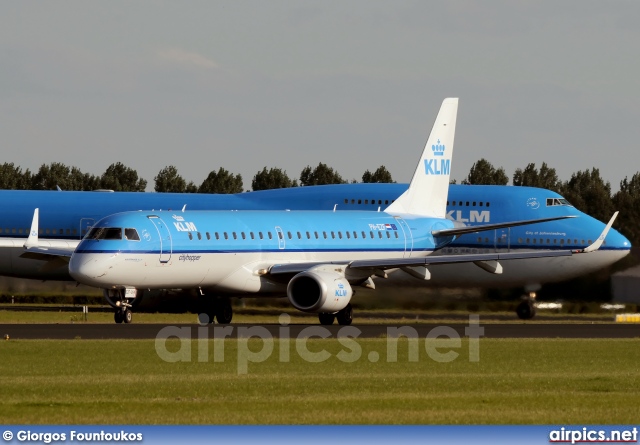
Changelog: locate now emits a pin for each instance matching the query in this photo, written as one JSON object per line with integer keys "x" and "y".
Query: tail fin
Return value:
{"x": 427, "y": 193}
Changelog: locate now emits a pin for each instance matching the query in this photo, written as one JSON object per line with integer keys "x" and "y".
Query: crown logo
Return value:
{"x": 438, "y": 149}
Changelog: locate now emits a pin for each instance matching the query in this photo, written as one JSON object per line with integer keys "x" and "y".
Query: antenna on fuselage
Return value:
{"x": 335, "y": 206}
{"x": 184, "y": 207}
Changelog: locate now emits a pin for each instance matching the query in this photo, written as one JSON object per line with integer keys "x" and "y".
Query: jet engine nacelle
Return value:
{"x": 318, "y": 290}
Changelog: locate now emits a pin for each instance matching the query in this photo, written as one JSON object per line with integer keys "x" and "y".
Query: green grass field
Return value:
{"x": 125, "y": 382}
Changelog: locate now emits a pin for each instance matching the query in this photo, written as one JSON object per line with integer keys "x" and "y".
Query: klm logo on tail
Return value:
{"x": 432, "y": 167}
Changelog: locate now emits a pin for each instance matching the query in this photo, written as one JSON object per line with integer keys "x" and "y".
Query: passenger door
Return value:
{"x": 166, "y": 245}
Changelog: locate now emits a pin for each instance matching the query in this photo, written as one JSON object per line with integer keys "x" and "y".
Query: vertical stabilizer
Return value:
{"x": 427, "y": 193}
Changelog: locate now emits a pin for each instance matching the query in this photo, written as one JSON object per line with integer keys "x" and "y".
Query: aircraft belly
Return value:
{"x": 11, "y": 264}
{"x": 516, "y": 272}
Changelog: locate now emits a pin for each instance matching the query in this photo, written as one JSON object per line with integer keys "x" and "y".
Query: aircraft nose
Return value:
{"x": 617, "y": 241}
{"x": 87, "y": 268}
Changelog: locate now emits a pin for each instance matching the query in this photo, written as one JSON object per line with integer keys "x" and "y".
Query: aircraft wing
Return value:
{"x": 480, "y": 259}
{"x": 393, "y": 263}
{"x": 483, "y": 227}
{"x": 35, "y": 248}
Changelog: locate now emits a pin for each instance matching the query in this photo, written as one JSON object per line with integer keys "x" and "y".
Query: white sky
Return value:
{"x": 353, "y": 84}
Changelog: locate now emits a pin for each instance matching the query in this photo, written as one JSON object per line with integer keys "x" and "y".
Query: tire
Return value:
{"x": 345, "y": 316}
{"x": 127, "y": 316}
{"x": 526, "y": 310}
{"x": 224, "y": 312}
{"x": 326, "y": 319}
{"x": 118, "y": 317}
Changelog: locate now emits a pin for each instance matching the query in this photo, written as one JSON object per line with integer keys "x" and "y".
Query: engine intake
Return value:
{"x": 319, "y": 291}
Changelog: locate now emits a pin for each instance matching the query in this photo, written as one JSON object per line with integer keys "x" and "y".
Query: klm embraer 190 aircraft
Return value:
{"x": 314, "y": 257}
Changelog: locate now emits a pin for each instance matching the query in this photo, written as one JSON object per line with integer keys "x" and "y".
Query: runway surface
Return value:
{"x": 152, "y": 331}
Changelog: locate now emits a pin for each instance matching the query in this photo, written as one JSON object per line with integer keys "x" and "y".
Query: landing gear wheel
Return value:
{"x": 345, "y": 316}
{"x": 127, "y": 316}
{"x": 224, "y": 312}
{"x": 526, "y": 310}
{"x": 326, "y": 319}
{"x": 118, "y": 317}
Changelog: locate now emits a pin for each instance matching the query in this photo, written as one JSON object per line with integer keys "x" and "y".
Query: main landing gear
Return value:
{"x": 221, "y": 310}
{"x": 526, "y": 310}
{"x": 344, "y": 316}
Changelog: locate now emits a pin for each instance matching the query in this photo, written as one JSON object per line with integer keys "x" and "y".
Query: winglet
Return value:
{"x": 32, "y": 240}
{"x": 596, "y": 245}
{"x": 429, "y": 187}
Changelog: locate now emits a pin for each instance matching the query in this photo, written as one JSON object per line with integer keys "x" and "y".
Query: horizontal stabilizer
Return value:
{"x": 457, "y": 231}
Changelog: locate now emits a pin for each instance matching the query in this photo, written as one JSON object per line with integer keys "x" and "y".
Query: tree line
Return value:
{"x": 120, "y": 178}
{"x": 586, "y": 190}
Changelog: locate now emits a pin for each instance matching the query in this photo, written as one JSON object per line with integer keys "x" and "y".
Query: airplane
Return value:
{"x": 314, "y": 257}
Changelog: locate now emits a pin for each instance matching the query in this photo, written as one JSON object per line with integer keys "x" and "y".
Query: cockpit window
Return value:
{"x": 131, "y": 235}
{"x": 558, "y": 202}
{"x": 100, "y": 233}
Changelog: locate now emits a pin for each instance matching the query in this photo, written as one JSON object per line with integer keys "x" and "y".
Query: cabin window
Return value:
{"x": 371, "y": 233}
{"x": 467, "y": 203}
{"x": 481, "y": 204}
{"x": 396, "y": 234}
{"x": 355, "y": 234}
{"x": 386, "y": 201}
{"x": 474, "y": 203}
{"x": 131, "y": 235}
{"x": 346, "y": 201}
{"x": 380, "y": 235}
{"x": 252, "y": 235}
{"x": 243, "y": 235}
{"x": 333, "y": 235}
{"x": 226, "y": 236}
{"x": 280, "y": 235}
{"x": 453, "y": 203}
{"x": 260, "y": 235}
{"x": 353, "y": 201}
{"x": 359, "y": 201}
{"x": 199, "y": 236}
{"x": 590, "y": 242}
{"x": 366, "y": 201}
{"x": 520, "y": 240}
{"x": 107, "y": 233}
{"x": 217, "y": 235}
{"x": 348, "y": 234}
{"x": 555, "y": 241}
{"x": 270, "y": 235}
{"x": 479, "y": 239}
{"x": 315, "y": 234}
{"x": 486, "y": 240}
{"x": 339, "y": 234}
{"x": 190, "y": 235}
{"x": 289, "y": 234}
{"x": 208, "y": 236}
{"x": 364, "y": 235}
{"x": 324, "y": 234}
{"x": 488, "y": 204}
{"x": 235, "y": 235}
{"x": 74, "y": 231}
{"x": 388, "y": 235}
{"x": 534, "y": 241}
{"x": 308, "y": 235}
{"x": 299, "y": 236}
